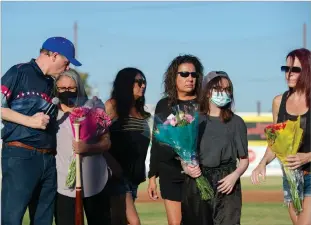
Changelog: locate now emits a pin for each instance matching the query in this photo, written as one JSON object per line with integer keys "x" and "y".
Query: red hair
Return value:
{"x": 304, "y": 80}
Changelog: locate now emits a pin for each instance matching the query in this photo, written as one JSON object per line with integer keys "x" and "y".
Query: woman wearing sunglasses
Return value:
{"x": 182, "y": 83}
{"x": 130, "y": 137}
{"x": 293, "y": 103}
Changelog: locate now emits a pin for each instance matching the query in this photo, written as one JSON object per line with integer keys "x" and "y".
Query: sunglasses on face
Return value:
{"x": 140, "y": 82}
{"x": 186, "y": 74}
{"x": 293, "y": 69}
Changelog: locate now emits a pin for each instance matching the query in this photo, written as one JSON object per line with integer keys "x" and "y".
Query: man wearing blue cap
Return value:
{"x": 29, "y": 134}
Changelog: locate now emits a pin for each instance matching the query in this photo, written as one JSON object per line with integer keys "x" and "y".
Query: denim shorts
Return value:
{"x": 306, "y": 188}
{"x": 123, "y": 186}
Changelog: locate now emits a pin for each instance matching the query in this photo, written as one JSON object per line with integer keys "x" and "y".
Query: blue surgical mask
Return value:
{"x": 220, "y": 99}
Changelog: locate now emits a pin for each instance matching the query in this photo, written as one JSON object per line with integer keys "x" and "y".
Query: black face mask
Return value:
{"x": 68, "y": 98}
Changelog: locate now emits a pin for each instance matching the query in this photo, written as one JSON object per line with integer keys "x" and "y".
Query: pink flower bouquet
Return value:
{"x": 93, "y": 123}
{"x": 92, "y": 118}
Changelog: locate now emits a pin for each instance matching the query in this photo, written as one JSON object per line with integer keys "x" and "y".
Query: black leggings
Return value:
{"x": 97, "y": 209}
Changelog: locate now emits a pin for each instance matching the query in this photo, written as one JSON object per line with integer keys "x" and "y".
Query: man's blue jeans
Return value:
{"x": 28, "y": 178}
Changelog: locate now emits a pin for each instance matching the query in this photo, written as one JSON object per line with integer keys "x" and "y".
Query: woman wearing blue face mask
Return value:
{"x": 223, "y": 157}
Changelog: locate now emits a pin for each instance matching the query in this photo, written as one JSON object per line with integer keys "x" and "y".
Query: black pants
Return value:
{"x": 222, "y": 210}
{"x": 97, "y": 209}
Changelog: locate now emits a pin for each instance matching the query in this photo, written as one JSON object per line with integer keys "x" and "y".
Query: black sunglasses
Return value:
{"x": 140, "y": 82}
{"x": 293, "y": 69}
{"x": 186, "y": 74}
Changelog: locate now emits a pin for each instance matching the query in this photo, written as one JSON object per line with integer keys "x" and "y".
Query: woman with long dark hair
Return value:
{"x": 222, "y": 143}
{"x": 288, "y": 106}
{"x": 182, "y": 83}
{"x": 130, "y": 137}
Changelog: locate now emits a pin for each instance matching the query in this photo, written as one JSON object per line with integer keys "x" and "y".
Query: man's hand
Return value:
{"x": 39, "y": 121}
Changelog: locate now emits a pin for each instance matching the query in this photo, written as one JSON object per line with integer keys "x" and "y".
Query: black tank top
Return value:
{"x": 130, "y": 139}
{"x": 283, "y": 115}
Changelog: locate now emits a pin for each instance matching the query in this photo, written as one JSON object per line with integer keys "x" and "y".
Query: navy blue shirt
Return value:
{"x": 26, "y": 90}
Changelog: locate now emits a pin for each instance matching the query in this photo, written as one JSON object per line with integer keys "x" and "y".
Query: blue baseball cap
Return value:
{"x": 62, "y": 46}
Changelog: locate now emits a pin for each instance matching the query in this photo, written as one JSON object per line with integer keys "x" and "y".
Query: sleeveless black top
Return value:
{"x": 283, "y": 115}
{"x": 130, "y": 139}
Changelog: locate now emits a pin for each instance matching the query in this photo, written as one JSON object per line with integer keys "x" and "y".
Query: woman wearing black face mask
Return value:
{"x": 67, "y": 96}
{"x": 94, "y": 173}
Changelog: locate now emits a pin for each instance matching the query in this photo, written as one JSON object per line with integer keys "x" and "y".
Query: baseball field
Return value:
{"x": 262, "y": 205}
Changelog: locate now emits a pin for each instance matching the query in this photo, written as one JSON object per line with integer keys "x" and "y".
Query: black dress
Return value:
{"x": 220, "y": 144}
{"x": 163, "y": 162}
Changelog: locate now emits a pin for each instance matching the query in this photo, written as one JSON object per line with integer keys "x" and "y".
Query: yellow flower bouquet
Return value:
{"x": 284, "y": 139}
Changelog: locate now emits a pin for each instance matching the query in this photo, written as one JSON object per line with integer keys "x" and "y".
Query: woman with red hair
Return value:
{"x": 288, "y": 106}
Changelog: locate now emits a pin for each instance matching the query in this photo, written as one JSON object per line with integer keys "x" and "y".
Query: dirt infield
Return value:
{"x": 262, "y": 196}
{"x": 248, "y": 196}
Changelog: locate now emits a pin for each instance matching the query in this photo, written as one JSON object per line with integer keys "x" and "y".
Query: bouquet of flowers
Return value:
{"x": 93, "y": 123}
{"x": 180, "y": 132}
{"x": 284, "y": 139}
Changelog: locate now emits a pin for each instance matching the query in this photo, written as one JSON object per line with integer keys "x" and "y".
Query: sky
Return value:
{"x": 248, "y": 40}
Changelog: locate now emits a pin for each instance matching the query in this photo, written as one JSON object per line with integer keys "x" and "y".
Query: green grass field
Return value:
{"x": 252, "y": 213}
{"x": 270, "y": 184}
